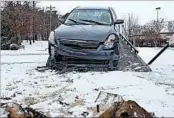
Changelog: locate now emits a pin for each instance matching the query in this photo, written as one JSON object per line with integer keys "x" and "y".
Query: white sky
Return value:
{"x": 145, "y": 10}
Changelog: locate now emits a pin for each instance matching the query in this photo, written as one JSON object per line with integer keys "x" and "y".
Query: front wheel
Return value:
{"x": 117, "y": 49}
{"x": 49, "y": 62}
{"x": 114, "y": 65}
{"x": 53, "y": 56}
{"x": 51, "y": 51}
{"x": 51, "y": 59}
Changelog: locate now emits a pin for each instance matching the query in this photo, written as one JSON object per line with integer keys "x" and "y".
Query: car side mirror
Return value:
{"x": 62, "y": 18}
{"x": 65, "y": 16}
{"x": 119, "y": 21}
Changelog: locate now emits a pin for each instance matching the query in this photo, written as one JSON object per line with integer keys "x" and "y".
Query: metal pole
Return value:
{"x": 157, "y": 15}
{"x": 50, "y": 8}
{"x": 50, "y": 16}
{"x": 158, "y": 8}
{"x": 157, "y": 21}
{"x": 158, "y": 54}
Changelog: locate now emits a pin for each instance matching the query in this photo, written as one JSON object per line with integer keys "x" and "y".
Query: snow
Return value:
{"x": 73, "y": 93}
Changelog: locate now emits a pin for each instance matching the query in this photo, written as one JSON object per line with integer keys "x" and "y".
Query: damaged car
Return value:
{"x": 87, "y": 37}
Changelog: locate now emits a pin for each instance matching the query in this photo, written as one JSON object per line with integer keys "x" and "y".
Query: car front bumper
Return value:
{"x": 84, "y": 58}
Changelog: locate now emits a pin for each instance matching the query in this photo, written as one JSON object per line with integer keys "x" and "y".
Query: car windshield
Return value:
{"x": 89, "y": 16}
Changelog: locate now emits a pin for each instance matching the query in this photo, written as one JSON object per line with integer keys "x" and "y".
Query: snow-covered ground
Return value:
{"x": 73, "y": 93}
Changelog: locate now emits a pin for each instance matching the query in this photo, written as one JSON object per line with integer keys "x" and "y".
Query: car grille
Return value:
{"x": 79, "y": 44}
{"x": 72, "y": 60}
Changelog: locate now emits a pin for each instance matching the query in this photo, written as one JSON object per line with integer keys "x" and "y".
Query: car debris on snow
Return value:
{"x": 116, "y": 109}
{"x": 126, "y": 109}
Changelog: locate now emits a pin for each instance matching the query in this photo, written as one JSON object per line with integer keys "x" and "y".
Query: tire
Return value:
{"x": 117, "y": 50}
{"x": 115, "y": 63}
{"x": 49, "y": 63}
{"x": 49, "y": 49}
{"x": 51, "y": 59}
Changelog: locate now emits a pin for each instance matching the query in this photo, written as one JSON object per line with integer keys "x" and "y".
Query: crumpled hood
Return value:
{"x": 83, "y": 32}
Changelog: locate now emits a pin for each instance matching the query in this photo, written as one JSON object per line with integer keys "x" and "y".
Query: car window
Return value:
{"x": 99, "y": 15}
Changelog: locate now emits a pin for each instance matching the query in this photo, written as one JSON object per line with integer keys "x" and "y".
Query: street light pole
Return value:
{"x": 50, "y": 16}
{"x": 158, "y": 8}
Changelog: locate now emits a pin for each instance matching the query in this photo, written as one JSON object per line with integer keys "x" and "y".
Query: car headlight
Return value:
{"x": 109, "y": 43}
{"x": 51, "y": 37}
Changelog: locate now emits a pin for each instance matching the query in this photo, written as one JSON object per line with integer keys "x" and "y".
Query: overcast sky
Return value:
{"x": 145, "y": 10}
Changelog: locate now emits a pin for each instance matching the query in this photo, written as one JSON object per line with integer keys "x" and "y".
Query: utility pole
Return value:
{"x": 50, "y": 9}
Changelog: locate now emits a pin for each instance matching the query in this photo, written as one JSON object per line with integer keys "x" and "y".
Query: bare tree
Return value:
{"x": 158, "y": 25}
{"x": 131, "y": 25}
{"x": 170, "y": 26}
{"x": 151, "y": 31}
{"x": 17, "y": 20}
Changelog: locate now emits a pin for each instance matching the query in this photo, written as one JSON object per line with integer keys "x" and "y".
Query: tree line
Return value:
{"x": 23, "y": 20}
{"x": 149, "y": 31}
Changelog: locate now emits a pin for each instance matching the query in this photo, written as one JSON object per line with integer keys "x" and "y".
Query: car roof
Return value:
{"x": 106, "y": 8}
